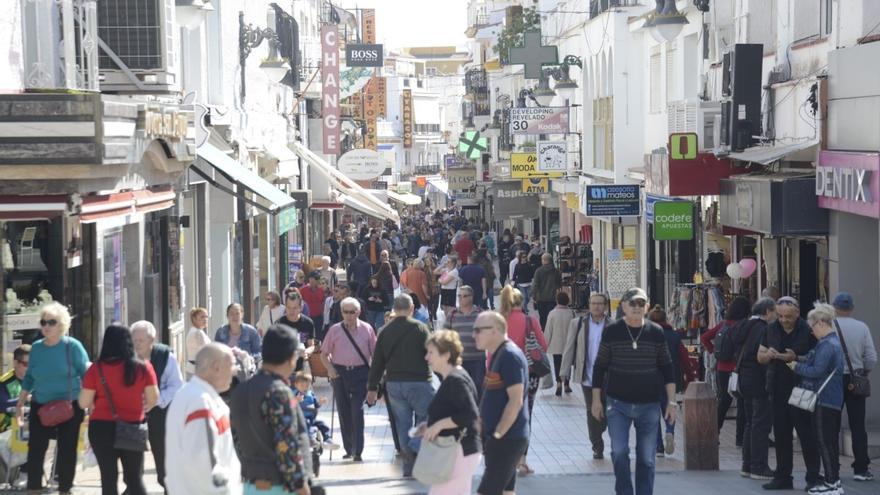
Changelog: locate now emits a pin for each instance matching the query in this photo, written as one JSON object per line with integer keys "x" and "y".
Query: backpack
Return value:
{"x": 725, "y": 348}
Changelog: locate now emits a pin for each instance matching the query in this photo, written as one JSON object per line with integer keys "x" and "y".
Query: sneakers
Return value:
{"x": 670, "y": 443}
{"x": 866, "y": 476}
{"x": 329, "y": 444}
{"x": 764, "y": 474}
{"x": 779, "y": 484}
{"x": 744, "y": 472}
{"x": 598, "y": 455}
{"x": 826, "y": 488}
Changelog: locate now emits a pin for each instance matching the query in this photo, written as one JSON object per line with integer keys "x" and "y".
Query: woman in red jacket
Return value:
{"x": 737, "y": 311}
{"x": 518, "y": 325}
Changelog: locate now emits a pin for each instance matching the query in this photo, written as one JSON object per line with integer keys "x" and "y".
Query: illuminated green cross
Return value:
{"x": 472, "y": 145}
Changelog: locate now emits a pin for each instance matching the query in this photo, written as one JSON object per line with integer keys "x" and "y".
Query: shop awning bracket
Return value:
{"x": 229, "y": 191}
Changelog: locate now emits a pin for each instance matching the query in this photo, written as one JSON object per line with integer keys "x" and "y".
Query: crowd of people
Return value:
{"x": 414, "y": 324}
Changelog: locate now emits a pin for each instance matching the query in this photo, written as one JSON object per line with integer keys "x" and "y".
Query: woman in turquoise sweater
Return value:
{"x": 57, "y": 365}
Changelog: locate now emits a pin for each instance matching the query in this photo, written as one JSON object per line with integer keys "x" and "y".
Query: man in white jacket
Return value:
{"x": 200, "y": 456}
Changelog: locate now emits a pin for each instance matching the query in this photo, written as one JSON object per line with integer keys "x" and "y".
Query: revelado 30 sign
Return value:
{"x": 539, "y": 120}
{"x": 363, "y": 55}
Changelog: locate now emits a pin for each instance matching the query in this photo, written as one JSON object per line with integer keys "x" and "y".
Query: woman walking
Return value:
{"x": 238, "y": 334}
{"x": 52, "y": 382}
{"x": 433, "y": 286}
{"x": 523, "y": 274}
{"x": 448, "y": 284}
{"x": 118, "y": 387}
{"x": 453, "y": 412}
{"x": 271, "y": 312}
{"x": 196, "y": 338}
{"x": 377, "y": 300}
{"x": 518, "y": 327}
{"x": 825, "y": 362}
{"x": 556, "y": 333}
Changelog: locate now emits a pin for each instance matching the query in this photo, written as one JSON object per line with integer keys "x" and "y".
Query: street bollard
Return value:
{"x": 700, "y": 428}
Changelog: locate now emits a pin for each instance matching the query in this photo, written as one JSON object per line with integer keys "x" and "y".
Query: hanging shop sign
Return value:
{"x": 572, "y": 201}
{"x": 361, "y": 164}
{"x": 849, "y": 182}
{"x": 552, "y": 156}
{"x": 472, "y": 144}
{"x": 287, "y": 220}
{"x": 525, "y": 166}
{"x": 330, "y": 87}
{"x": 536, "y": 186}
{"x": 363, "y": 55}
{"x": 533, "y": 55}
{"x": 368, "y": 25}
{"x": 539, "y": 120}
{"x": 462, "y": 179}
{"x": 407, "y": 110}
{"x": 404, "y": 187}
{"x": 511, "y": 202}
{"x": 683, "y": 146}
{"x": 673, "y": 221}
{"x": 453, "y": 161}
{"x": 613, "y": 201}
{"x": 652, "y": 199}
{"x": 381, "y": 91}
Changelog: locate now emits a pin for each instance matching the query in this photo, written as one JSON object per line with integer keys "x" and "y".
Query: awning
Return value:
{"x": 106, "y": 206}
{"x": 765, "y": 155}
{"x": 288, "y": 162}
{"x": 357, "y": 205}
{"x": 408, "y": 199}
{"x": 32, "y": 207}
{"x": 345, "y": 185}
{"x": 439, "y": 185}
{"x": 236, "y": 173}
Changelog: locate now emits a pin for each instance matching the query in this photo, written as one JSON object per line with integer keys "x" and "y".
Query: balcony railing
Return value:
{"x": 427, "y": 169}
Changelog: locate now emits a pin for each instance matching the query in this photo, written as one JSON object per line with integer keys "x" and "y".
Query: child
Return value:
{"x": 310, "y": 404}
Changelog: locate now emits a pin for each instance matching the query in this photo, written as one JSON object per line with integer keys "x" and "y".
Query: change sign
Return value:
{"x": 539, "y": 120}
{"x": 673, "y": 221}
{"x": 525, "y": 166}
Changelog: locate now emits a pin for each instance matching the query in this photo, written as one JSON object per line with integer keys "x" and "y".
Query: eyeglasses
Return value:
{"x": 48, "y": 323}
{"x": 349, "y": 312}
{"x": 636, "y": 303}
{"x": 480, "y": 329}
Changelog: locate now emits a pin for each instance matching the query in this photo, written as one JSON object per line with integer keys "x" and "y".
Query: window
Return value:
{"x": 671, "y": 79}
{"x": 405, "y": 83}
{"x": 431, "y": 71}
{"x": 655, "y": 96}
{"x": 603, "y": 133}
{"x": 812, "y": 19}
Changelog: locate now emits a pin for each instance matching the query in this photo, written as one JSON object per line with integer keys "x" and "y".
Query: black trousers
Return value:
{"x": 67, "y": 436}
{"x": 722, "y": 379}
{"x": 785, "y": 419}
{"x": 756, "y": 434}
{"x": 156, "y": 426}
{"x": 350, "y": 388}
{"x": 544, "y": 308}
{"x": 503, "y": 270}
{"x": 101, "y": 436}
{"x": 855, "y": 413}
{"x": 826, "y": 426}
{"x": 557, "y": 364}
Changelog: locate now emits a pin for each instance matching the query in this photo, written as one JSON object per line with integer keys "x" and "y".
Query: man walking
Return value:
{"x": 545, "y": 285}
{"x": 503, "y": 408}
{"x": 753, "y": 390}
{"x": 581, "y": 349}
{"x": 346, "y": 352}
{"x": 634, "y": 361}
{"x": 862, "y": 355}
{"x": 201, "y": 456}
{"x": 143, "y": 335}
{"x": 400, "y": 355}
{"x": 359, "y": 271}
{"x": 295, "y": 319}
{"x": 473, "y": 275}
{"x": 462, "y": 320}
{"x": 314, "y": 295}
{"x": 788, "y": 338}
{"x": 272, "y": 434}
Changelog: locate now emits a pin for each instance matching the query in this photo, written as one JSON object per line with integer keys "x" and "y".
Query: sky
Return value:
{"x": 407, "y": 23}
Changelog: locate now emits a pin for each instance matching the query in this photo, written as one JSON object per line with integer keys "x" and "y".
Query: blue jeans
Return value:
{"x": 408, "y": 399}
{"x": 670, "y": 427}
{"x": 376, "y": 318}
{"x": 477, "y": 370}
{"x": 621, "y": 415}
{"x": 525, "y": 289}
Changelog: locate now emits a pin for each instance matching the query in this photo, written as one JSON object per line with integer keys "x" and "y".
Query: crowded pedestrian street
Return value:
{"x": 441, "y": 247}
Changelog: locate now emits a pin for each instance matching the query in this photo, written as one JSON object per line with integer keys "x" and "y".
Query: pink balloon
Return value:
{"x": 748, "y": 267}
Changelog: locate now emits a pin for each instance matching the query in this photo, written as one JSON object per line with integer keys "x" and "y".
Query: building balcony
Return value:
{"x": 599, "y": 6}
{"x": 427, "y": 169}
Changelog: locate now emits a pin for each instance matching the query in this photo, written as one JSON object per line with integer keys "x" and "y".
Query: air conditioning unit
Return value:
{"x": 136, "y": 46}
{"x": 709, "y": 125}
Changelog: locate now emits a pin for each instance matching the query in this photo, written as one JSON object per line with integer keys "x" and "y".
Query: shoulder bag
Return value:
{"x": 436, "y": 460}
{"x": 859, "y": 384}
{"x": 55, "y": 412}
{"x": 128, "y": 436}
{"x": 802, "y": 398}
{"x": 733, "y": 383}
{"x": 381, "y": 391}
{"x": 539, "y": 362}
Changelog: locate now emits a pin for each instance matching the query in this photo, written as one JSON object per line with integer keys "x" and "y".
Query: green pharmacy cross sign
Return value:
{"x": 472, "y": 144}
{"x": 533, "y": 55}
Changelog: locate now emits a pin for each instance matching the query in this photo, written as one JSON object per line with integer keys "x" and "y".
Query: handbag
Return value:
{"x": 802, "y": 398}
{"x": 539, "y": 362}
{"x": 129, "y": 436}
{"x": 55, "y": 412}
{"x": 436, "y": 460}
{"x": 733, "y": 382}
{"x": 859, "y": 384}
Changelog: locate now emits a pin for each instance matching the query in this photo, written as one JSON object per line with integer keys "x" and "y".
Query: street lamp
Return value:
{"x": 666, "y": 22}
{"x": 250, "y": 37}
{"x": 565, "y": 86}
{"x": 191, "y": 13}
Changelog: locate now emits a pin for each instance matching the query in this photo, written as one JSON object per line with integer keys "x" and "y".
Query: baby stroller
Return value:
{"x": 317, "y": 443}
{"x": 13, "y": 452}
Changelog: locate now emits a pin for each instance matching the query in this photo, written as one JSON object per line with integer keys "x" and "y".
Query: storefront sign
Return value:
{"x": 362, "y": 164}
{"x": 651, "y": 200}
{"x": 673, "y": 221}
{"x": 539, "y": 120}
{"x": 511, "y": 202}
{"x": 368, "y": 25}
{"x": 525, "y": 166}
{"x": 683, "y": 146}
{"x": 461, "y": 179}
{"x": 287, "y": 220}
{"x": 404, "y": 187}
{"x": 552, "y": 156}
{"x": 363, "y": 55}
{"x": 330, "y": 87}
{"x": 381, "y": 90}
{"x": 772, "y": 204}
{"x": 453, "y": 161}
{"x": 613, "y": 201}
{"x": 572, "y": 201}
{"x": 849, "y": 182}
{"x": 407, "y": 110}
{"x": 536, "y": 186}
{"x": 166, "y": 124}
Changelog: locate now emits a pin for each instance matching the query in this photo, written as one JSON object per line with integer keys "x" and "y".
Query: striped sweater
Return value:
{"x": 633, "y": 375}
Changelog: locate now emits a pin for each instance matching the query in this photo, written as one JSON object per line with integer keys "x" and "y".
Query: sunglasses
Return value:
{"x": 349, "y": 312}
{"x": 480, "y": 329}
{"x": 48, "y": 323}
{"x": 465, "y": 295}
{"x": 636, "y": 303}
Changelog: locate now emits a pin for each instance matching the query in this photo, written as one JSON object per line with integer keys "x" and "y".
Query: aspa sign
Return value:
{"x": 361, "y": 164}
{"x": 363, "y": 55}
{"x": 552, "y": 156}
{"x": 539, "y": 120}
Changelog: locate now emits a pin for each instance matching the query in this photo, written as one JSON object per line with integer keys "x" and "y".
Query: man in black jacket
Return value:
{"x": 400, "y": 356}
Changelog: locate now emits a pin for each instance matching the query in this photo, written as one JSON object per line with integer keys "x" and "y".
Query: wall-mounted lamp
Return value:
{"x": 665, "y": 22}
{"x": 251, "y": 37}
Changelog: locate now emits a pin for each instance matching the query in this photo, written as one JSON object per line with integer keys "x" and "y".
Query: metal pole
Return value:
{"x": 332, "y": 412}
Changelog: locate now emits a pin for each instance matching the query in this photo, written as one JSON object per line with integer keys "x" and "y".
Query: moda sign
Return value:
{"x": 363, "y": 55}
{"x": 673, "y": 221}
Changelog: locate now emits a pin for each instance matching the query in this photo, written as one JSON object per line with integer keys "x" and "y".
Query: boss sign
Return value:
{"x": 363, "y": 55}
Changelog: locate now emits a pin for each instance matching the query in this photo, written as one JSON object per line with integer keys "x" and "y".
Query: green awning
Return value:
{"x": 251, "y": 181}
